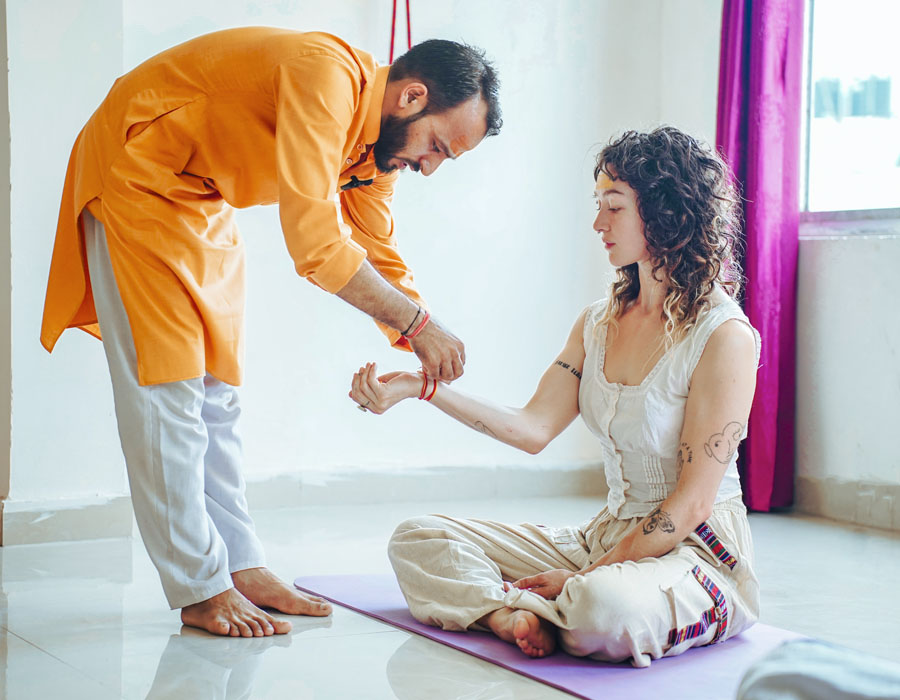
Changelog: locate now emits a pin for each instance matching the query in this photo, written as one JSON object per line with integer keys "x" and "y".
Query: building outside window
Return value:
{"x": 851, "y": 153}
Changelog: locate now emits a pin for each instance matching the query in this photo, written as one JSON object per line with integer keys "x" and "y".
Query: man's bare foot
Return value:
{"x": 533, "y": 635}
{"x": 266, "y": 590}
{"x": 230, "y": 614}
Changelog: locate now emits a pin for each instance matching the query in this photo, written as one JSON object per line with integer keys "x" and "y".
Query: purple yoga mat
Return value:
{"x": 703, "y": 673}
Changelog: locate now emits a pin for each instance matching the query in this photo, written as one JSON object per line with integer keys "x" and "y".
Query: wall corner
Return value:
{"x": 5, "y": 276}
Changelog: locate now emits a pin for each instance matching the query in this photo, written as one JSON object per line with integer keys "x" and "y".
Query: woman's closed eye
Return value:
{"x": 599, "y": 204}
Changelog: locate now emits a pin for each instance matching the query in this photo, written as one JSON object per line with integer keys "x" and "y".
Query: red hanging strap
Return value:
{"x": 408, "y": 27}
{"x": 394, "y": 29}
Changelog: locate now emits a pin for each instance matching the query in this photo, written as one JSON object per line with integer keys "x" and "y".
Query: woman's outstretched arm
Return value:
{"x": 716, "y": 414}
{"x": 553, "y": 406}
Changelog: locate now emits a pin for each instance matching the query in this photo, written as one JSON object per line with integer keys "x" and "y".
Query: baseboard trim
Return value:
{"x": 357, "y": 485}
{"x": 39, "y": 522}
{"x": 860, "y": 502}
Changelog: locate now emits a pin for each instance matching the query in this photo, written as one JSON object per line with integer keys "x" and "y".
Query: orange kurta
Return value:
{"x": 231, "y": 119}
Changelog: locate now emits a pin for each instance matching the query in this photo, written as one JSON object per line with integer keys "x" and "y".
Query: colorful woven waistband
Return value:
{"x": 710, "y": 539}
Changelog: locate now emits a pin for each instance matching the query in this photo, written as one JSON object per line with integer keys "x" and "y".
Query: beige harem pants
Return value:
{"x": 703, "y": 591}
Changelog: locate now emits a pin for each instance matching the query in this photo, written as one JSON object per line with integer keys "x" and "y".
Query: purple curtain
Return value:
{"x": 758, "y": 130}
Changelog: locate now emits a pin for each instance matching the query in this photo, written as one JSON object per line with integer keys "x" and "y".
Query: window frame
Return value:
{"x": 815, "y": 217}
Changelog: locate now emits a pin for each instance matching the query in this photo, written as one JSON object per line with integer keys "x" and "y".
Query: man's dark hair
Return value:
{"x": 453, "y": 73}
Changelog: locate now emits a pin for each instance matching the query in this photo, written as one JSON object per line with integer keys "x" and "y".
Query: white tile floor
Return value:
{"x": 88, "y": 619}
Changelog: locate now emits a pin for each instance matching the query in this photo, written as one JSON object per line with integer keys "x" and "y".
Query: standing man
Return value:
{"x": 147, "y": 253}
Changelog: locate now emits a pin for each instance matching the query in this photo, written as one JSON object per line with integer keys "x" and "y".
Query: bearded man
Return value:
{"x": 147, "y": 256}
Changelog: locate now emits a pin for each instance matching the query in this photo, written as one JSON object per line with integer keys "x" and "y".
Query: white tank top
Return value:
{"x": 639, "y": 427}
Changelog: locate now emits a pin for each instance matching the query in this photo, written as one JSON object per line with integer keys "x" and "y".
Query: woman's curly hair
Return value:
{"x": 692, "y": 219}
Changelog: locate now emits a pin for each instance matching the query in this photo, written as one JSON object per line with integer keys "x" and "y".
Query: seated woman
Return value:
{"x": 663, "y": 372}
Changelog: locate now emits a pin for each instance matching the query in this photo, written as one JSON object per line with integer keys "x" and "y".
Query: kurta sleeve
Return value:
{"x": 368, "y": 212}
{"x": 316, "y": 99}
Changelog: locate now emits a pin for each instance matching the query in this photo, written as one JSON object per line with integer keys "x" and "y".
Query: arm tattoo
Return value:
{"x": 685, "y": 456}
{"x": 722, "y": 446}
{"x": 482, "y": 428}
{"x": 658, "y": 518}
{"x": 569, "y": 367}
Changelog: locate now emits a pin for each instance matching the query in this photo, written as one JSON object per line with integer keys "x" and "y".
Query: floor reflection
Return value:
{"x": 201, "y": 666}
{"x": 59, "y": 604}
{"x": 196, "y": 665}
{"x": 421, "y": 668}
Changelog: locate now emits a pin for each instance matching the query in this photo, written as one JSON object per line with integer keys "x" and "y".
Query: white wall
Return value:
{"x": 501, "y": 241}
{"x": 63, "y": 56}
{"x": 848, "y": 374}
{"x": 5, "y": 275}
{"x": 689, "y": 65}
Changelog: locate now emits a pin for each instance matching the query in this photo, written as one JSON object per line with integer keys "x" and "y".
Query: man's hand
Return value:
{"x": 441, "y": 353}
{"x": 547, "y": 585}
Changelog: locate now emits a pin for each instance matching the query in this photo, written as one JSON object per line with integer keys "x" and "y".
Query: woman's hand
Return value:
{"x": 378, "y": 394}
{"x": 547, "y": 585}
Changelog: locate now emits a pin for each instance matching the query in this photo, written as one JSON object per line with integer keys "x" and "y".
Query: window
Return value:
{"x": 851, "y": 139}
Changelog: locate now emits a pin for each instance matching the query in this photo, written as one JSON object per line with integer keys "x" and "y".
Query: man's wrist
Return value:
{"x": 412, "y": 324}
{"x": 419, "y": 324}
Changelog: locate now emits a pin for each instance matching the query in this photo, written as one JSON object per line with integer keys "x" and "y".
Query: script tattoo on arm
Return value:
{"x": 721, "y": 446}
{"x": 658, "y": 518}
{"x": 685, "y": 456}
{"x": 482, "y": 428}
{"x": 569, "y": 367}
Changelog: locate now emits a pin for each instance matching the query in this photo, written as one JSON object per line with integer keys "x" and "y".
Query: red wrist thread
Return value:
{"x": 424, "y": 387}
{"x": 420, "y": 326}
{"x": 433, "y": 391}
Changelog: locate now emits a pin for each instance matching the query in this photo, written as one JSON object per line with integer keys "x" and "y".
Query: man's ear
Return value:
{"x": 413, "y": 98}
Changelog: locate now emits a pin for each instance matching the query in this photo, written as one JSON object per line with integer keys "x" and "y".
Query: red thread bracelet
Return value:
{"x": 420, "y": 326}
{"x": 433, "y": 391}
{"x": 424, "y": 387}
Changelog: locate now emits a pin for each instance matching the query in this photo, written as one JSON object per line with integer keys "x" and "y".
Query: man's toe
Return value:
{"x": 282, "y": 626}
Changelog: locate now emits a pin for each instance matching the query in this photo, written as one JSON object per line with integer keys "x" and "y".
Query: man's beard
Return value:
{"x": 392, "y": 139}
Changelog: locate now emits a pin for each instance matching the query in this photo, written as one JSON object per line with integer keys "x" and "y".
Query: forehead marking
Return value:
{"x": 604, "y": 182}
{"x": 458, "y": 146}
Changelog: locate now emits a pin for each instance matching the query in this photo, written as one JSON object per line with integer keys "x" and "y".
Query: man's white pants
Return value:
{"x": 183, "y": 456}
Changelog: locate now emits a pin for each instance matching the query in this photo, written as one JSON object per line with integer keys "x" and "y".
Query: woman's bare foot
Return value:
{"x": 231, "y": 615}
{"x": 266, "y": 590}
{"x": 533, "y": 635}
